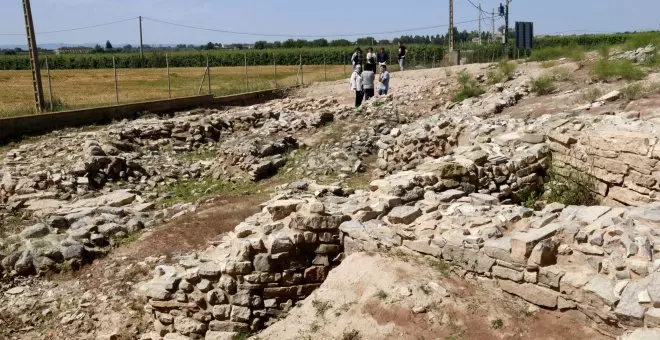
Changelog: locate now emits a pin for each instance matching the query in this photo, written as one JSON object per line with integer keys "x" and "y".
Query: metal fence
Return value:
{"x": 83, "y": 88}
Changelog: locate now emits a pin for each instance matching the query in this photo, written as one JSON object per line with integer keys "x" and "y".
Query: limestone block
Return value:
{"x": 509, "y": 274}
{"x": 627, "y": 196}
{"x": 423, "y": 246}
{"x": 523, "y": 243}
{"x": 535, "y": 294}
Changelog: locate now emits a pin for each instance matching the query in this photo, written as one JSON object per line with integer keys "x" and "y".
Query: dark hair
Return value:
{"x": 383, "y": 66}
{"x": 358, "y": 49}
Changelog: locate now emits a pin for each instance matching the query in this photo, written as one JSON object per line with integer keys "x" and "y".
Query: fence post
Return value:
{"x": 50, "y": 86}
{"x": 302, "y": 72}
{"x": 209, "y": 70}
{"x": 169, "y": 81}
{"x": 246, "y": 74}
{"x": 114, "y": 67}
{"x": 325, "y": 68}
{"x": 343, "y": 62}
{"x": 424, "y": 62}
{"x": 433, "y": 62}
{"x": 275, "y": 70}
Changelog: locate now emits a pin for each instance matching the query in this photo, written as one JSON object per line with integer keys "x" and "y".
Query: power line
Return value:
{"x": 77, "y": 28}
{"x": 303, "y": 36}
{"x": 477, "y": 7}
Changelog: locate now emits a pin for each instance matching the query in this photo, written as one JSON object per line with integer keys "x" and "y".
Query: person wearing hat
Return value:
{"x": 356, "y": 84}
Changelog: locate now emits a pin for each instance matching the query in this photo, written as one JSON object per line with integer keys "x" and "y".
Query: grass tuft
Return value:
{"x": 573, "y": 52}
{"x": 468, "y": 89}
{"x": 503, "y": 72}
{"x": 609, "y": 70}
{"x": 543, "y": 85}
{"x": 352, "y": 334}
{"x": 381, "y": 295}
{"x": 592, "y": 94}
{"x": 496, "y": 324}
{"x": 321, "y": 307}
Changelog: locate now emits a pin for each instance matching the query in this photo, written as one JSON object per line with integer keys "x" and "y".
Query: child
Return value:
{"x": 384, "y": 80}
{"x": 356, "y": 84}
{"x": 368, "y": 78}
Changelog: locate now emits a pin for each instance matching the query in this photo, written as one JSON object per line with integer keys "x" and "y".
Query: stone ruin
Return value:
{"x": 447, "y": 193}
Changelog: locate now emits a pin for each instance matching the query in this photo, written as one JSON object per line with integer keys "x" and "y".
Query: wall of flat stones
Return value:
{"x": 620, "y": 167}
{"x": 273, "y": 260}
{"x": 601, "y": 261}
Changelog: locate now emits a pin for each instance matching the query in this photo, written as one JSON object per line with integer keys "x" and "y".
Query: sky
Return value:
{"x": 293, "y": 18}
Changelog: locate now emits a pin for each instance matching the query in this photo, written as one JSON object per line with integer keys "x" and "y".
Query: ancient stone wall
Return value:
{"x": 274, "y": 259}
{"x": 620, "y": 167}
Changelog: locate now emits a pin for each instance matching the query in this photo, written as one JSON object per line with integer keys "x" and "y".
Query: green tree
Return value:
{"x": 108, "y": 45}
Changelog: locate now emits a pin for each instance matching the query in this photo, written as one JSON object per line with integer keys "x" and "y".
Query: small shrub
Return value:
{"x": 381, "y": 294}
{"x": 632, "y": 91}
{"x": 592, "y": 94}
{"x": 352, "y": 334}
{"x": 606, "y": 70}
{"x": 321, "y": 307}
{"x": 549, "y": 63}
{"x": 561, "y": 74}
{"x": 503, "y": 72}
{"x": 604, "y": 51}
{"x": 496, "y": 324}
{"x": 569, "y": 188}
{"x": 241, "y": 336}
{"x": 543, "y": 85}
{"x": 468, "y": 89}
{"x": 643, "y": 39}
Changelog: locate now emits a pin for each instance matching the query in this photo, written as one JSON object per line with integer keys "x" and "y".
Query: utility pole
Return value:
{"x": 492, "y": 37}
{"x": 479, "y": 23}
{"x": 451, "y": 25}
{"x": 506, "y": 23}
{"x": 34, "y": 57}
{"x": 141, "y": 51}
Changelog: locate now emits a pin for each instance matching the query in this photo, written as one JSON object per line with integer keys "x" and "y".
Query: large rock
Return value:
{"x": 283, "y": 208}
{"x": 535, "y": 294}
{"x": 35, "y": 231}
{"x": 522, "y": 243}
{"x": 603, "y": 288}
{"x": 404, "y": 214}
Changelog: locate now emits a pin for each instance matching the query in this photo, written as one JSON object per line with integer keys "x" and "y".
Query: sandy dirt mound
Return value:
{"x": 374, "y": 296}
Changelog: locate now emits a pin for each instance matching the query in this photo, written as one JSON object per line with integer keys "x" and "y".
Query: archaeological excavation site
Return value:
{"x": 527, "y": 210}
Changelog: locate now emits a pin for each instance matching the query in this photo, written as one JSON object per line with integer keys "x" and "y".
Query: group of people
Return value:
{"x": 362, "y": 81}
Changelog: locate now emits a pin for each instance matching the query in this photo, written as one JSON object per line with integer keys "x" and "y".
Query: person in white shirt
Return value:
{"x": 371, "y": 60}
{"x": 356, "y": 85}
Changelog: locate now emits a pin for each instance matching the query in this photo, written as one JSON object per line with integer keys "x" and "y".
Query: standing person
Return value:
{"x": 371, "y": 60}
{"x": 384, "y": 80}
{"x": 356, "y": 58}
{"x": 383, "y": 58}
{"x": 368, "y": 78}
{"x": 402, "y": 55}
{"x": 356, "y": 84}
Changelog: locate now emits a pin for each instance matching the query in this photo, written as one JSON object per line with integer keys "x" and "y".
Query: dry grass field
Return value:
{"x": 74, "y": 89}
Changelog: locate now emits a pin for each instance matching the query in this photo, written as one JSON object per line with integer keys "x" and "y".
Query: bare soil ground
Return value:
{"x": 376, "y": 296}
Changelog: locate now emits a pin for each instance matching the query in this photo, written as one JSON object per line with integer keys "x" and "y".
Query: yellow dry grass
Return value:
{"x": 74, "y": 89}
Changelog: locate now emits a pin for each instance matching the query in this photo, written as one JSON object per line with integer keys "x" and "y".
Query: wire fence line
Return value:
{"x": 85, "y": 88}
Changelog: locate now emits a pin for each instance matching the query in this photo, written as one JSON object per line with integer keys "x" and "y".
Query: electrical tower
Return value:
{"x": 451, "y": 25}
{"x": 34, "y": 57}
